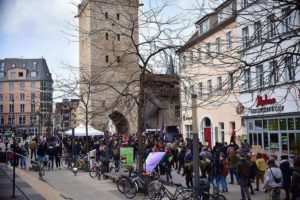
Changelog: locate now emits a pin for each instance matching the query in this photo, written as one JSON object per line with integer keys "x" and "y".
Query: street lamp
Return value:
{"x": 195, "y": 146}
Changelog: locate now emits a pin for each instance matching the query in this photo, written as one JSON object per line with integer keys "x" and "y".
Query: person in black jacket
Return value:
{"x": 295, "y": 185}
{"x": 286, "y": 175}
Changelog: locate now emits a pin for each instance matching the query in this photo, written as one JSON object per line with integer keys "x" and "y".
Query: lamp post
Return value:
{"x": 14, "y": 166}
{"x": 195, "y": 146}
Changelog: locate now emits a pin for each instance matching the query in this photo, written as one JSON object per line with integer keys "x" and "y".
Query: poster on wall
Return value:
{"x": 126, "y": 154}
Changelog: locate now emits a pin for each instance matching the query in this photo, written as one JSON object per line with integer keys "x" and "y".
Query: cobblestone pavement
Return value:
{"x": 83, "y": 187}
{"x": 23, "y": 189}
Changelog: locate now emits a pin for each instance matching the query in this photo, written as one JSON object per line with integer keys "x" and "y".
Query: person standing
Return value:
{"x": 273, "y": 180}
{"x": 244, "y": 171}
{"x": 233, "y": 161}
{"x": 295, "y": 186}
{"x": 23, "y": 157}
{"x": 58, "y": 154}
{"x": 33, "y": 148}
{"x": 261, "y": 166}
{"x": 188, "y": 168}
{"x": 224, "y": 172}
{"x": 286, "y": 175}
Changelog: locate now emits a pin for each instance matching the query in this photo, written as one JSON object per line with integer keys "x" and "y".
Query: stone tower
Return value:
{"x": 108, "y": 30}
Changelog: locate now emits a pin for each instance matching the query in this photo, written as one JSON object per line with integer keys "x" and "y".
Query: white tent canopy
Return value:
{"x": 80, "y": 131}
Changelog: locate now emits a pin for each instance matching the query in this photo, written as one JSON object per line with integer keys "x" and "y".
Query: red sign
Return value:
{"x": 263, "y": 101}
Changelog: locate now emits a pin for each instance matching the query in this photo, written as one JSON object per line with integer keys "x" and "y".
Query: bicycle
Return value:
{"x": 97, "y": 170}
{"x": 137, "y": 183}
{"x": 157, "y": 191}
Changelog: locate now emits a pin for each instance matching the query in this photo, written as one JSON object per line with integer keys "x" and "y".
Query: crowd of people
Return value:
{"x": 219, "y": 164}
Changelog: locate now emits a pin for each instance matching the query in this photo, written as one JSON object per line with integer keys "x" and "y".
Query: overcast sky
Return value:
{"x": 43, "y": 28}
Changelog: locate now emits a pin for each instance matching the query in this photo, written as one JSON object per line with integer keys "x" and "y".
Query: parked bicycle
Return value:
{"x": 157, "y": 191}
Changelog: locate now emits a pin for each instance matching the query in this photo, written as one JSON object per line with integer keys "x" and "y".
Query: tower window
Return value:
{"x": 118, "y": 59}
{"x": 118, "y": 16}
{"x": 106, "y": 15}
{"x": 106, "y": 36}
{"x": 106, "y": 59}
{"x": 118, "y": 37}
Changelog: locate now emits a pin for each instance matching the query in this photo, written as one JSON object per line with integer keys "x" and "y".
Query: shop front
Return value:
{"x": 277, "y": 135}
{"x": 273, "y": 123}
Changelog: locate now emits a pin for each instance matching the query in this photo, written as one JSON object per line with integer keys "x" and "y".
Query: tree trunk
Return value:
{"x": 86, "y": 130}
{"x": 141, "y": 123}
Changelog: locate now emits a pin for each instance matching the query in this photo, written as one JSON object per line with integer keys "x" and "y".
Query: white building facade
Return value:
{"x": 270, "y": 81}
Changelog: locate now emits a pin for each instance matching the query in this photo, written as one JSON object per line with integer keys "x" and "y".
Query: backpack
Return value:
{"x": 277, "y": 180}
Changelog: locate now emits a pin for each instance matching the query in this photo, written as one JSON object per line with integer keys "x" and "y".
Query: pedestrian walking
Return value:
{"x": 23, "y": 157}
{"x": 286, "y": 175}
{"x": 273, "y": 180}
{"x": 33, "y": 149}
{"x": 224, "y": 172}
{"x": 261, "y": 166}
{"x": 243, "y": 171}
{"x": 58, "y": 154}
{"x": 233, "y": 161}
{"x": 295, "y": 186}
{"x": 188, "y": 168}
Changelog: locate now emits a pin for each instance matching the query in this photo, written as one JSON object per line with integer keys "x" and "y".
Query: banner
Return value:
{"x": 126, "y": 154}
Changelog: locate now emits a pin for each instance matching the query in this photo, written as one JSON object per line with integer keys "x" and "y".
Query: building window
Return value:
{"x": 1, "y": 74}
{"x": 244, "y": 3}
{"x": 287, "y": 19}
{"x": 20, "y": 74}
{"x": 118, "y": 59}
{"x": 118, "y": 16}
{"x": 1, "y": 120}
{"x": 204, "y": 27}
{"x": 245, "y": 37}
{"x": 218, "y": 45}
{"x": 260, "y": 76}
{"x": 106, "y": 59}
{"x": 209, "y": 87}
{"x": 32, "y": 85}
{"x": 22, "y": 108}
{"x": 257, "y": 31}
{"x": 271, "y": 23}
{"x": 1, "y": 97}
{"x": 22, "y": 97}
{"x": 247, "y": 79}
{"x": 32, "y": 107}
{"x": 231, "y": 81}
{"x": 13, "y": 75}
{"x": 106, "y": 15}
{"x": 2, "y": 67}
{"x": 290, "y": 68}
{"x": 33, "y": 74}
{"x": 200, "y": 91}
{"x": 189, "y": 131}
{"x": 199, "y": 54}
{"x": 32, "y": 97}
{"x": 1, "y": 108}
{"x": 222, "y": 131}
{"x": 192, "y": 56}
{"x": 22, "y": 85}
{"x": 106, "y": 36}
{"x": 11, "y": 108}
{"x": 11, "y": 98}
{"x": 22, "y": 120}
{"x": 118, "y": 37}
{"x": 219, "y": 79}
{"x": 11, "y": 120}
{"x": 228, "y": 40}
{"x": 274, "y": 72}
{"x": 208, "y": 55}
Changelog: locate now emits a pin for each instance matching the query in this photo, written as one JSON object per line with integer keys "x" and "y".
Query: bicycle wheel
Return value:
{"x": 154, "y": 190}
{"x": 121, "y": 183}
{"x": 218, "y": 197}
{"x": 93, "y": 172}
{"x": 130, "y": 190}
{"x": 184, "y": 194}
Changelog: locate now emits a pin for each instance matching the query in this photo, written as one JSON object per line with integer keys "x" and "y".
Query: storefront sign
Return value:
{"x": 263, "y": 101}
{"x": 276, "y": 108}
